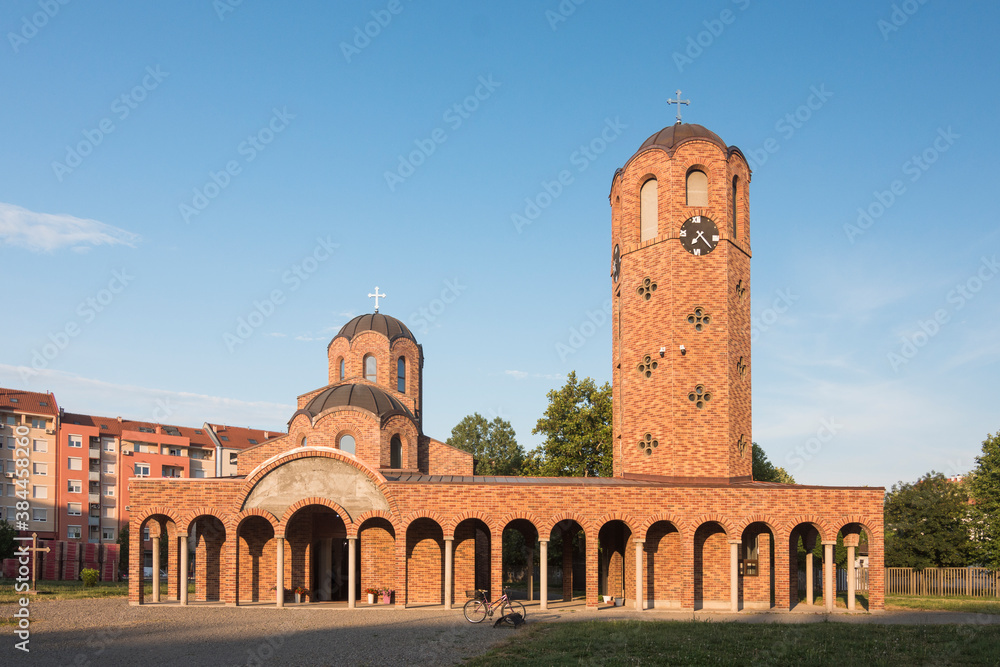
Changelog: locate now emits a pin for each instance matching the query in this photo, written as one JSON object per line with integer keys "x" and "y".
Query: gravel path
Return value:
{"x": 110, "y": 632}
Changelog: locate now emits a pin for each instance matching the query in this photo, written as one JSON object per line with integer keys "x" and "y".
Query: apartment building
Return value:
{"x": 230, "y": 440}
{"x": 34, "y": 416}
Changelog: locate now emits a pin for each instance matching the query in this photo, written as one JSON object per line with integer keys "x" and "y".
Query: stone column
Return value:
{"x": 852, "y": 583}
{"x": 810, "y": 584}
{"x": 325, "y": 568}
{"x": 280, "y": 574}
{"x": 640, "y": 596}
{"x": 829, "y": 583}
{"x": 449, "y": 570}
{"x": 543, "y": 574}
{"x": 734, "y": 576}
{"x": 531, "y": 574}
{"x": 352, "y": 571}
{"x": 156, "y": 568}
{"x": 182, "y": 539}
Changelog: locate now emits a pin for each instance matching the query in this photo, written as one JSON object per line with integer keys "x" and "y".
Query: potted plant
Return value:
{"x": 300, "y": 591}
{"x": 607, "y": 599}
{"x": 371, "y": 592}
{"x": 387, "y": 595}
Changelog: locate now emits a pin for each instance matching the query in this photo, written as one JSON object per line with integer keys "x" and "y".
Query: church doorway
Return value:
{"x": 317, "y": 538}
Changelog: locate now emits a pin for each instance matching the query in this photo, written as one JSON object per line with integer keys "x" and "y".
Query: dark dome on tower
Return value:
{"x": 672, "y": 136}
{"x": 363, "y": 396}
{"x": 389, "y": 327}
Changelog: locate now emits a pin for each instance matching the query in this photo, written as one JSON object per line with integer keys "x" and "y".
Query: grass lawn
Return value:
{"x": 74, "y": 590}
{"x": 707, "y": 643}
{"x": 959, "y": 603}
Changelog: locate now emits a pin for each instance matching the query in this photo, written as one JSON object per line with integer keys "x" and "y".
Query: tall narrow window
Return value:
{"x": 395, "y": 452}
{"x": 697, "y": 188}
{"x": 342, "y": 369}
{"x": 648, "y": 214}
{"x": 370, "y": 368}
{"x": 401, "y": 375}
{"x": 736, "y": 182}
{"x": 347, "y": 443}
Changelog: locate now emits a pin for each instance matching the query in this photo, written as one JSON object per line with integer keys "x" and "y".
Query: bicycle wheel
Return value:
{"x": 513, "y": 606}
{"x": 475, "y": 611}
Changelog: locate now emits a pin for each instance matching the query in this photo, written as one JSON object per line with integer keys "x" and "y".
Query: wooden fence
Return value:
{"x": 941, "y": 581}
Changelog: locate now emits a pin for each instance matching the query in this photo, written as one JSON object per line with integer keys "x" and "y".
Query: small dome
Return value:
{"x": 670, "y": 137}
{"x": 363, "y": 396}
{"x": 389, "y": 327}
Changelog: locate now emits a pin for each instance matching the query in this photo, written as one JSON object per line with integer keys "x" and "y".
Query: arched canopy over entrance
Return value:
{"x": 316, "y": 539}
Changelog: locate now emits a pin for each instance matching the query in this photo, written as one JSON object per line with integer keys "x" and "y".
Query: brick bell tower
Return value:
{"x": 680, "y": 241}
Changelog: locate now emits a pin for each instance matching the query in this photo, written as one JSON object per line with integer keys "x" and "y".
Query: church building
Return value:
{"x": 356, "y": 496}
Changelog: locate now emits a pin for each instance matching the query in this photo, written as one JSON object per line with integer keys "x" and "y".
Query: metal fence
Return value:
{"x": 941, "y": 581}
{"x": 861, "y": 580}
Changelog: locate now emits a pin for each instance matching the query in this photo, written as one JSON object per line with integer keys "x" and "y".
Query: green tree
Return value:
{"x": 577, "y": 430}
{"x": 927, "y": 524}
{"x": 123, "y": 550}
{"x": 984, "y": 487}
{"x": 493, "y": 445}
{"x": 7, "y": 543}
{"x": 765, "y": 471}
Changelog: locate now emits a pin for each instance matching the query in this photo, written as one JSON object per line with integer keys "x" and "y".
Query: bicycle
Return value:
{"x": 479, "y": 607}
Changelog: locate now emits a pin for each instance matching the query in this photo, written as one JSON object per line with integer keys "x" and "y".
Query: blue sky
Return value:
{"x": 169, "y": 168}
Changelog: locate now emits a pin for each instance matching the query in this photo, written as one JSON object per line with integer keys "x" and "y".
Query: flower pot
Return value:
{"x": 607, "y": 598}
{"x": 298, "y": 597}
{"x": 371, "y": 598}
{"x": 619, "y": 602}
{"x": 385, "y": 599}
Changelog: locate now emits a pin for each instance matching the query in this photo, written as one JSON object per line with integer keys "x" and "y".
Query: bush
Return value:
{"x": 90, "y": 576}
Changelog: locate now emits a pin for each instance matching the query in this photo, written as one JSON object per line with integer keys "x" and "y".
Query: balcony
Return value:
{"x": 93, "y": 521}
{"x": 94, "y": 498}
{"x": 95, "y": 476}
{"x": 95, "y": 453}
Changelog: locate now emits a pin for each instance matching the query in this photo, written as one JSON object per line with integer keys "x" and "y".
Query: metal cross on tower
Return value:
{"x": 678, "y": 102}
{"x": 377, "y": 296}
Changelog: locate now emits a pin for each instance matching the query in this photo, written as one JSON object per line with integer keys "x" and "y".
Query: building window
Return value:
{"x": 40, "y": 468}
{"x": 145, "y": 534}
{"x": 649, "y": 215}
{"x": 10, "y": 442}
{"x": 109, "y": 468}
{"x": 109, "y": 445}
{"x": 395, "y": 452}
{"x": 697, "y": 188}
{"x": 75, "y": 441}
{"x": 75, "y": 463}
{"x": 39, "y": 492}
{"x": 749, "y": 562}
{"x": 37, "y": 422}
{"x": 11, "y": 420}
{"x": 11, "y": 492}
{"x": 74, "y": 486}
{"x": 371, "y": 368}
{"x": 347, "y": 443}
{"x": 736, "y": 181}
{"x": 303, "y": 442}
{"x": 108, "y": 534}
{"x": 40, "y": 445}
{"x": 401, "y": 375}
{"x": 109, "y": 491}
{"x": 343, "y": 370}
{"x": 142, "y": 470}
{"x": 73, "y": 532}
{"x": 174, "y": 451}
{"x": 39, "y": 515}
{"x": 74, "y": 509}
{"x": 108, "y": 512}
{"x": 232, "y": 458}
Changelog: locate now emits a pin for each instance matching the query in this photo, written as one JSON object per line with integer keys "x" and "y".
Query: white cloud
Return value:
{"x": 521, "y": 375}
{"x": 46, "y": 232}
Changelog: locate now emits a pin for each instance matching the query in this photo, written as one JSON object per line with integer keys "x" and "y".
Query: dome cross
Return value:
{"x": 678, "y": 102}
{"x": 377, "y": 297}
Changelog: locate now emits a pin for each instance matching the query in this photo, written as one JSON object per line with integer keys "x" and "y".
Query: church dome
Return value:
{"x": 365, "y": 396}
{"x": 389, "y": 327}
{"x": 670, "y": 137}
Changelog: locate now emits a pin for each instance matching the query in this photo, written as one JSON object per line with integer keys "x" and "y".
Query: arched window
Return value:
{"x": 697, "y": 188}
{"x": 371, "y": 366}
{"x": 395, "y": 452}
{"x": 302, "y": 443}
{"x": 736, "y": 182}
{"x": 648, "y": 213}
{"x": 347, "y": 443}
{"x": 342, "y": 369}
{"x": 401, "y": 375}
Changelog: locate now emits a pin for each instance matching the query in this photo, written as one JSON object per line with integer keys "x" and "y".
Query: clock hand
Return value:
{"x": 701, "y": 235}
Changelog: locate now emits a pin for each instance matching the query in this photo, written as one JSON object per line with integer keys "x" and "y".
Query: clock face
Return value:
{"x": 699, "y": 235}
{"x": 616, "y": 263}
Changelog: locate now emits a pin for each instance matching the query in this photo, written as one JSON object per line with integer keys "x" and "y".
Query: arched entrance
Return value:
{"x": 711, "y": 567}
{"x": 568, "y": 557}
{"x": 520, "y": 538}
{"x": 207, "y": 540}
{"x": 663, "y": 583}
{"x": 255, "y": 560}
{"x": 317, "y": 539}
{"x": 424, "y": 562}
{"x": 616, "y": 576}
{"x": 376, "y": 556}
{"x": 473, "y": 556}
{"x": 756, "y": 569}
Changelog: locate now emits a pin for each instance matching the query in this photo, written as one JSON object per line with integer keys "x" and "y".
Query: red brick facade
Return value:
{"x": 407, "y": 513}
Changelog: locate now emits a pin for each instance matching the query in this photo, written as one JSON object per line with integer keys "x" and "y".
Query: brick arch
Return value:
{"x": 744, "y": 523}
{"x": 857, "y": 519}
{"x": 452, "y": 524}
{"x": 648, "y": 523}
{"x": 627, "y": 519}
{"x": 151, "y": 511}
{"x": 359, "y": 522}
{"x": 338, "y": 409}
{"x": 822, "y": 527}
{"x": 547, "y": 527}
{"x": 264, "y": 468}
{"x": 716, "y": 518}
{"x": 315, "y": 500}
{"x": 413, "y": 516}
{"x": 238, "y": 519}
{"x": 506, "y": 520}
{"x": 188, "y": 518}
